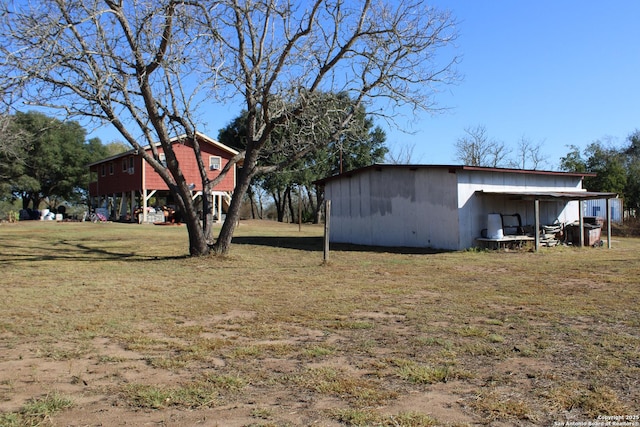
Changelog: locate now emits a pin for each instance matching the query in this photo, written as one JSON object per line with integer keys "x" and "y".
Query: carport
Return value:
{"x": 552, "y": 196}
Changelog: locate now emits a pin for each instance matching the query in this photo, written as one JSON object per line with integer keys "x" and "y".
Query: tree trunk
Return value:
{"x": 25, "y": 201}
{"x": 260, "y": 206}
{"x": 207, "y": 214}
{"x": 223, "y": 244}
{"x": 252, "y": 202}
{"x": 317, "y": 212}
{"x": 198, "y": 245}
{"x": 292, "y": 210}
{"x": 280, "y": 200}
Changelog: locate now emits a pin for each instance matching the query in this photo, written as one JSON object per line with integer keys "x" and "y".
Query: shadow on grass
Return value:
{"x": 64, "y": 250}
{"x": 315, "y": 244}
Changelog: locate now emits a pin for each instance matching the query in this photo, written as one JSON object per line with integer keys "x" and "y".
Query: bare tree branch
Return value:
{"x": 476, "y": 148}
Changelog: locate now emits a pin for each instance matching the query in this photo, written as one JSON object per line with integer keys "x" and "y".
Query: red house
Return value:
{"x": 125, "y": 186}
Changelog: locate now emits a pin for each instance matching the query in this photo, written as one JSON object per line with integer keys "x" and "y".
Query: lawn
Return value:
{"x": 106, "y": 324}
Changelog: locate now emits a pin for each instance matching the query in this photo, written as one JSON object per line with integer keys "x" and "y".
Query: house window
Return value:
{"x": 214, "y": 163}
{"x": 124, "y": 165}
{"x": 163, "y": 159}
{"x": 103, "y": 170}
{"x": 110, "y": 168}
{"x": 131, "y": 164}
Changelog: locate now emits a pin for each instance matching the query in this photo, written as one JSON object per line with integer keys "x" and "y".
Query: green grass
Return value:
{"x": 510, "y": 336}
{"x": 36, "y": 411}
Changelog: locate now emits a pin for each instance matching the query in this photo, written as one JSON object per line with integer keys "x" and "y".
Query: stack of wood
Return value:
{"x": 551, "y": 235}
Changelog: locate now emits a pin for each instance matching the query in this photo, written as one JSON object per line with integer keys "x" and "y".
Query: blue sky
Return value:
{"x": 558, "y": 73}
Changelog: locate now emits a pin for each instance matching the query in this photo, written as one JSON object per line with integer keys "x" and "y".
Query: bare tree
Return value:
{"x": 148, "y": 66}
{"x": 475, "y": 148}
{"x": 401, "y": 155}
{"x": 528, "y": 154}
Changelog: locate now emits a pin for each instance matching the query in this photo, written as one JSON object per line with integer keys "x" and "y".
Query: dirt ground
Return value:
{"x": 94, "y": 375}
{"x": 25, "y": 372}
{"x": 372, "y": 339}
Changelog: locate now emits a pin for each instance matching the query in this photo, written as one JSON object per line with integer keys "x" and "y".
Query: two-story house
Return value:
{"x": 126, "y": 187}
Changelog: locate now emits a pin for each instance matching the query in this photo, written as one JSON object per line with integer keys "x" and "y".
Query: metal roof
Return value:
{"x": 452, "y": 169}
{"x": 552, "y": 195}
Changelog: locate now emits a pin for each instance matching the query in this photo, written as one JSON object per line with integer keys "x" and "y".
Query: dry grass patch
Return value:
{"x": 510, "y": 337}
{"x": 347, "y": 386}
{"x": 359, "y": 417}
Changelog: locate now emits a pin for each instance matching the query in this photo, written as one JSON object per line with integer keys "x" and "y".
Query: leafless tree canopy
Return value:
{"x": 476, "y": 148}
{"x": 401, "y": 155}
{"x": 529, "y": 155}
{"x": 155, "y": 69}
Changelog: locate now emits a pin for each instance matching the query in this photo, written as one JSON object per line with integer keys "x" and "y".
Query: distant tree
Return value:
{"x": 528, "y": 154}
{"x": 13, "y": 143}
{"x": 633, "y": 148}
{"x": 617, "y": 169}
{"x": 53, "y": 165}
{"x": 606, "y": 162}
{"x": 632, "y": 187}
{"x": 609, "y": 166}
{"x": 401, "y": 155}
{"x": 359, "y": 144}
{"x": 573, "y": 161}
{"x": 476, "y": 148}
{"x": 115, "y": 147}
{"x": 363, "y": 144}
{"x": 13, "y": 149}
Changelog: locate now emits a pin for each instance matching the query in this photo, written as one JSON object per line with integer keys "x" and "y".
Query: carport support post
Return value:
{"x": 327, "y": 222}
{"x": 144, "y": 206}
{"x": 536, "y": 231}
{"x": 581, "y": 222}
{"x": 609, "y": 223}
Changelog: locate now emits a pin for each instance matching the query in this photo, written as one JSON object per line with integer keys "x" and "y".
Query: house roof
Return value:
{"x": 451, "y": 168}
{"x": 200, "y": 135}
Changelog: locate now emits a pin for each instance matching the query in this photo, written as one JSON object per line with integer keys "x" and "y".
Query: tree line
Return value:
{"x": 617, "y": 169}
{"x": 43, "y": 161}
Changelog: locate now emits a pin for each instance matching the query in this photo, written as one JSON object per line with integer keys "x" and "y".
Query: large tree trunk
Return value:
{"x": 207, "y": 214}
{"x": 198, "y": 244}
{"x": 223, "y": 244}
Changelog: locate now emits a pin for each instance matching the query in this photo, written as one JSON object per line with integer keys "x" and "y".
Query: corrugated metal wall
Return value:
{"x": 395, "y": 207}
{"x": 599, "y": 208}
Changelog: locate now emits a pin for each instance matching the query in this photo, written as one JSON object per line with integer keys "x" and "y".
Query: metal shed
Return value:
{"x": 445, "y": 206}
